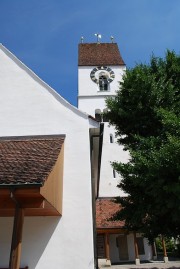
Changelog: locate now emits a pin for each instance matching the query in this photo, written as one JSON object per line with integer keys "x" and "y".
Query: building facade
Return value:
{"x": 58, "y": 228}
{"x": 100, "y": 69}
{"x": 56, "y": 175}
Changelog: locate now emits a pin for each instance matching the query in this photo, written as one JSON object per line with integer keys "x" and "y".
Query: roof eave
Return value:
{"x": 20, "y": 186}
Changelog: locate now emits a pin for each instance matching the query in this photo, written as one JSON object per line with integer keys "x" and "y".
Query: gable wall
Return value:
{"x": 29, "y": 107}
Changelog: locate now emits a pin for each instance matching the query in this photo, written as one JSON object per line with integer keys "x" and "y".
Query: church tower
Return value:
{"x": 100, "y": 69}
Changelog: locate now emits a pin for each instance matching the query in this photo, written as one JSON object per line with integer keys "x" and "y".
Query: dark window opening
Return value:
{"x": 103, "y": 83}
{"x": 105, "y": 116}
{"x": 111, "y": 138}
{"x": 114, "y": 173}
{"x": 140, "y": 244}
{"x": 98, "y": 115}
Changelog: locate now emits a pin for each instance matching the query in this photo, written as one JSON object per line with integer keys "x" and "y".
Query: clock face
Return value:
{"x": 102, "y": 72}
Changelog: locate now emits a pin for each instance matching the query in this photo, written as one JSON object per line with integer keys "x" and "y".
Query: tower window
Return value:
{"x": 111, "y": 138}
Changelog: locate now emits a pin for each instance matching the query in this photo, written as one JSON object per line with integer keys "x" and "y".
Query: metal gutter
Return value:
{"x": 20, "y": 186}
{"x": 100, "y": 136}
{"x": 100, "y": 154}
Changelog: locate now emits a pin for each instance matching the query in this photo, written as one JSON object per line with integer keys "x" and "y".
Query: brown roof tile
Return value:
{"x": 106, "y": 209}
{"x": 95, "y": 54}
{"x": 28, "y": 160}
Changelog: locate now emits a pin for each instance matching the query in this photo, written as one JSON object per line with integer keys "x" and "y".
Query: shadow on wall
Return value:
{"x": 6, "y": 226}
{"x": 37, "y": 232}
{"x": 36, "y": 236}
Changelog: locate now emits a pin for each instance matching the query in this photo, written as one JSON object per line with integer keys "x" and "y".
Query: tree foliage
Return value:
{"x": 170, "y": 244}
{"x": 145, "y": 113}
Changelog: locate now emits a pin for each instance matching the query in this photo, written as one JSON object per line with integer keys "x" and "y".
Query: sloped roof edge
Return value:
{"x": 27, "y": 137}
{"x": 57, "y": 96}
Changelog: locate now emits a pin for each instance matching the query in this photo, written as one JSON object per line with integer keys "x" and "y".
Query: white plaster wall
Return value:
{"x": 30, "y": 107}
{"x": 147, "y": 248}
{"x": 89, "y": 96}
{"x": 114, "y": 252}
{"x": 90, "y": 99}
{"x": 90, "y": 103}
{"x": 111, "y": 152}
{"x": 86, "y": 87}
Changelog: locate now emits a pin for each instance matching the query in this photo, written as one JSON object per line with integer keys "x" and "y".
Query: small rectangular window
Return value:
{"x": 114, "y": 173}
{"x": 111, "y": 138}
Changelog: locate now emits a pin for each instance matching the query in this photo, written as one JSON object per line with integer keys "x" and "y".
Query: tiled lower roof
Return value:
{"x": 28, "y": 160}
{"x": 106, "y": 208}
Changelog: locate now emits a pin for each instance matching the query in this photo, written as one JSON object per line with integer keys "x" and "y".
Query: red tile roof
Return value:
{"x": 95, "y": 54}
{"x": 28, "y": 160}
{"x": 105, "y": 209}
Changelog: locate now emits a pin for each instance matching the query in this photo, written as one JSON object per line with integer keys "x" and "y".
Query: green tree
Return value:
{"x": 170, "y": 244}
{"x": 145, "y": 113}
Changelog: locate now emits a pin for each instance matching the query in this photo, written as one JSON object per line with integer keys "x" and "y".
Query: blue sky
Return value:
{"x": 44, "y": 34}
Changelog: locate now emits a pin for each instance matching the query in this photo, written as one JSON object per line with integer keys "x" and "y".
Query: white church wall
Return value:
{"x": 91, "y": 103}
{"x": 111, "y": 152}
{"x": 29, "y": 107}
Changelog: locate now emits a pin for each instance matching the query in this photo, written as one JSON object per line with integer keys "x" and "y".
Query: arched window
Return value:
{"x": 98, "y": 115}
{"x": 111, "y": 138}
{"x": 103, "y": 82}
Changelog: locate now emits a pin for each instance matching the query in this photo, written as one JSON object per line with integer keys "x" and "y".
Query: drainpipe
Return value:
{"x": 93, "y": 187}
{"x": 15, "y": 254}
{"x": 100, "y": 135}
